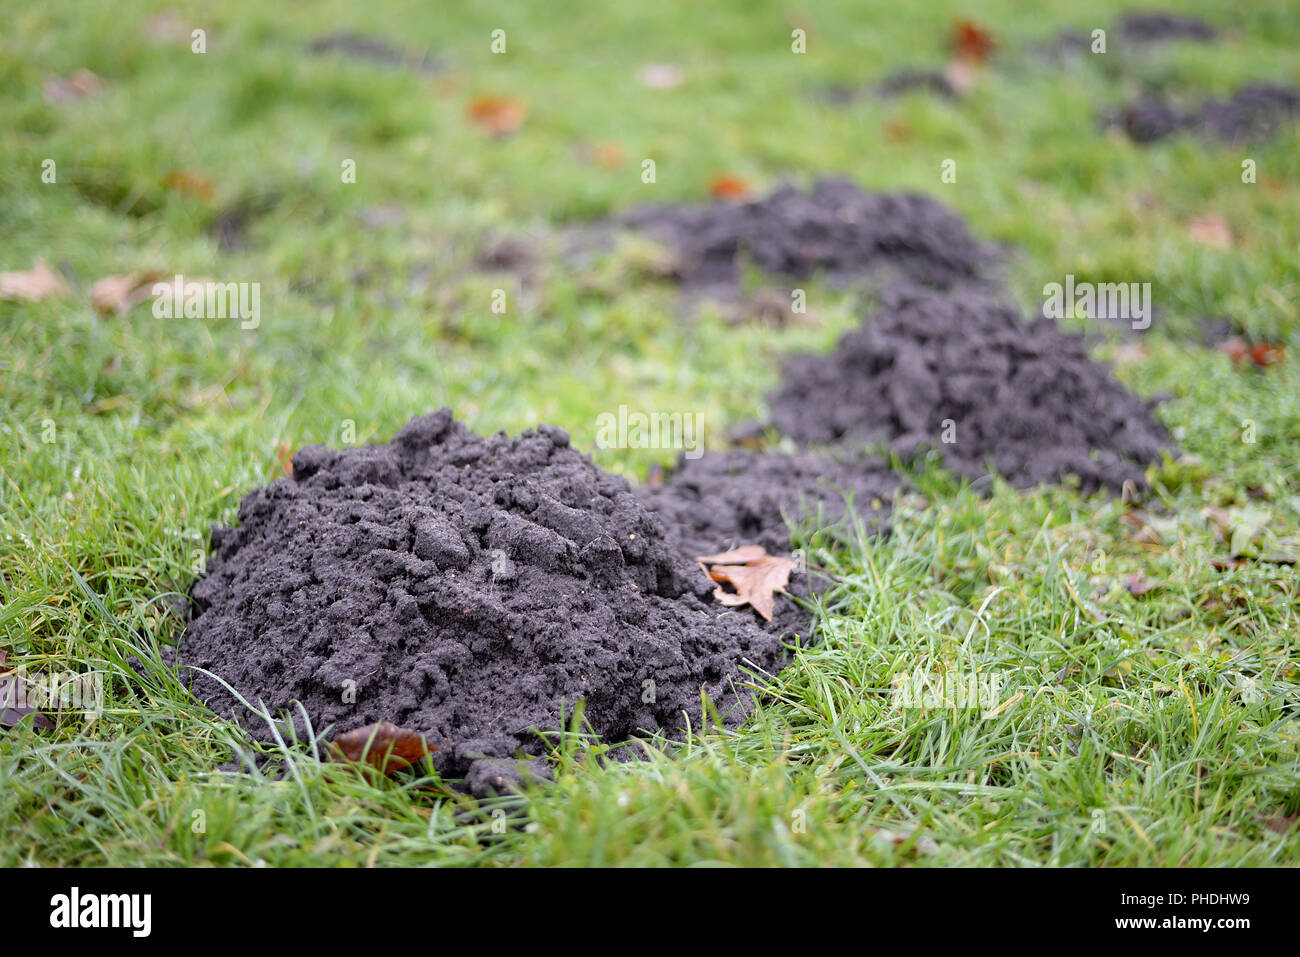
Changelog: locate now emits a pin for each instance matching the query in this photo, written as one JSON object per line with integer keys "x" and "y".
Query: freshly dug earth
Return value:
{"x": 724, "y": 500}
{"x": 1158, "y": 27}
{"x": 1020, "y": 396}
{"x": 1137, "y": 30}
{"x": 836, "y": 229}
{"x": 359, "y": 46}
{"x": 1254, "y": 112}
{"x": 468, "y": 588}
{"x": 906, "y": 80}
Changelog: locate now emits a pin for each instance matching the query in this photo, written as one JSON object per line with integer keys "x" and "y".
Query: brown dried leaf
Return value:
{"x": 1262, "y": 354}
{"x": 284, "y": 454}
{"x": 904, "y": 833}
{"x": 383, "y": 745}
{"x": 63, "y": 89}
{"x": 606, "y": 155}
{"x": 737, "y": 556}
{"x": 1138, "y": 585}
{"x": 118, "y": 295}
{"x": 1280, "y": 823}
{"x": 165, "y": 27}
{"x": 972, "y": 42}
{"x": 1211, "y": 230}
{"x": 756, "y": 576}
{"x": 728, "y": 186}
{"x": 10, "y": 711}
{"x": 190, "y": 182}
{"x": 35, "y": 284}
{"x": 497, "y": 115}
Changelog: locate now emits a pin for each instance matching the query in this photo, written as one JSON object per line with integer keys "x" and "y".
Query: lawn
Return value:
{"x": 1147, "y": 654}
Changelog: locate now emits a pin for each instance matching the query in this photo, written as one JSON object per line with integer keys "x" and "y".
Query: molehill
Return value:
{"x": 963, "y": 372}
{"x": 836, "y": 230}
{"x": 1253, "y": 113}
{"x": 472, "y": 589}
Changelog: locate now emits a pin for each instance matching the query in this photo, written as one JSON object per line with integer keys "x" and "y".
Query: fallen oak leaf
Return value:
{"x": 756, "y": 576}
{"x": 904, "y": 835}
{"x": 1265, "y": 354}
{"x": 605, "y": 154}
{"x": 497, "y": 115}
{"x": 383, "y": 745}
{"x": 190, "y": 182}
{"x": 737, "y": 556}
{"x": 63, "y": 89}
{"x": 728, "y": 187}
{"x": 1280, "y": 823}
{"x": 1262, "y": 354}
{"x": 32, "y": 285}
{"x": 284, "y": 455}
{"x": 1211, "y": 230}
{"x": 1138, "y": 585}
{"x": 11, "y": 712}
{"x": 972, "y": 42}
{"x": 118, "y": 295}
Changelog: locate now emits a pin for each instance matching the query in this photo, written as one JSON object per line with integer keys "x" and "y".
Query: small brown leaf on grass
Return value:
{"x": 118, "y": 295}
{"x": 756, "y": 576}
{"x": 284, "y": 454}
{"x": 729, "y": 187}
{"x": 1143, "y": 531}
{"x": 1138, "y": 585}
{"x": 497, "y": 115}
{"x": 972, "y": 42}
{"x": 33, "y": 285}
{"x": 605, "y": 154}
{"x": 1262, "y": 354}
{"x": 383, "y": 745}
{"x": 10, "y": 711}
{"x": 1211, "y": 230}
{"x": 190, "y": 183}
{"x": 903, "y": 835}
{"x": 737, "y": 556}
{"x": 165, "y": 27}
{"x": 63, "y": 89}
{"x": 1280, "y": 823}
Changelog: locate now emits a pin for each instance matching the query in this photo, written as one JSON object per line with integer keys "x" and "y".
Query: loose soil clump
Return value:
{"x": 723, "y": 500}
{"x": 1253, "y": 113}
{"x": 1018, "y": 395}
{"x": 836, "y": 229}
{"x": 359, "y": 46}
{"x": 1156, "y": 27}
{"x": 470, "y": 589}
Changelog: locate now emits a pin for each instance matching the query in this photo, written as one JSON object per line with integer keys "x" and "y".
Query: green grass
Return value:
{"x": 1159, "y": 729}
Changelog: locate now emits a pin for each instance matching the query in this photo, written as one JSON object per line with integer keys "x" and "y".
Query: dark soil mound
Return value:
{"x": 472, "y": 589}
{"x": 1021, "y": 396}
{"x": 906, "y": 80}
{"x": 836, "y": 229}
{"x": 1254, "y": 112}
{"x": 1146, "y": 27}
{"x": 726, "y": 499}
{"x": 927, "y": 81}
{"x": 359, "y": 46}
